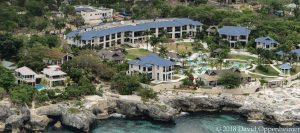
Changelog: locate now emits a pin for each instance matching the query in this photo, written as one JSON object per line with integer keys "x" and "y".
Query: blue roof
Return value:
{"x": 266, "y": 40}
{"x": 296, "y": 51}
{"x": 88, "y": 35}
{"x": 83, "y": 8}
{"x": 151, "y": 59}
{"x": 285, "y": 66}
{"x": 234, "y": 31}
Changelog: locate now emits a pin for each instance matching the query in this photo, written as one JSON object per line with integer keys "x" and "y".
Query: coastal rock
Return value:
{"x": 195, "y": 104}
{"x": 57, "y": 125}
{"x": 2, "y": 127}
{"x": 14, "y": 121}
{"x": 51, "y": 110}
{"x": 4, "y": 113}
{"x": 134, "y": 107}
{"x": 80, "y": 120}
{"x": 98, "y": 105}
{"x": 38, "y": 123}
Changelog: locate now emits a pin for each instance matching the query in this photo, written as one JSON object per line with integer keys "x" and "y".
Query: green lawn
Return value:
{"x": 242, "y": 57}
{"x": 270, "y": 72}
{"x": 133, "y": 53}
{"x": 182, "y": 47}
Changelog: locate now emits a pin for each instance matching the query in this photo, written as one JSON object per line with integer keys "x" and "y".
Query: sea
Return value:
{"x": 186, "y": 123}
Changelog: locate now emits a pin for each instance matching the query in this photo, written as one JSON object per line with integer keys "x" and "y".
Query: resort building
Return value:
{"x": 92, "y": 15}
{"x": 211, "y": 77}
{"x": 267, "y": 43}
{"x": 25, "y": 75}
{"x": 234, "y": 34}
{"x": 281, "y": 54}
{"x": 54, "y": 76}
{"x": 112, "y": 56}
{"x": 157, "y": 68}
{"x": 232, "y": 1}
{"x": 132, "y": 32}
{"x": 56, "y": 58}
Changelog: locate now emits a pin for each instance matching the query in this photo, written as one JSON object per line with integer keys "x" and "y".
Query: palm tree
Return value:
{"x": 153, "y": 42}
{"x": 147, "y": 33}
{"x": 76, "y": 38}
{"x": 163, "y": 51}
{"x": 177, "y": 44}
{"x": 68, "y": 81}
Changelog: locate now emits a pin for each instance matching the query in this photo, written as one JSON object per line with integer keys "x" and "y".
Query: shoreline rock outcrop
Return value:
{"x": 253, "y": 107}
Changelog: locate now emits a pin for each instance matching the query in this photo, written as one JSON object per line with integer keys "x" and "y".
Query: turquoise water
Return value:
{"x": 39, "y": 86}
{"x": 193, "y": 123}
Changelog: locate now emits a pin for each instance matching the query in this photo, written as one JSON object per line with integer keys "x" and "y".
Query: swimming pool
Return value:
{"x": 39, "y": 86}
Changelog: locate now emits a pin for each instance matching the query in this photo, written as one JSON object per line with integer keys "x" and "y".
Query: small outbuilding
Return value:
{"x": 285, "y": 68}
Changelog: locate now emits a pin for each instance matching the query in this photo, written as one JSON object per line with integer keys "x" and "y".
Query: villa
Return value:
{"x": 132, "y": 32}
{"x": 157, "y": 68}
{"x": 56, "y": 58}
{"x": 54, "y": 76}
{"x": 92, "y": 15}
{"x": 25, "y": 75}
{"x": 211, "y": 77}
{"x": 112, "y": 56}
{"x": 281, "y": 54}
{"x": 267, "y": 43}
{"x": 234, "y": 34}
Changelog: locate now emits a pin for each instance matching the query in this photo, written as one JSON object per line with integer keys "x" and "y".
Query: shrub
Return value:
{"x": 230, "y": 80}
{"x": 22, "y": 94}
{"x": 2, "y": 91}
{"x": 187, "y": 82}
{"x": 147, "y": 93}
{"x": 199, "y": 83}
{"x": 144, "y": 78}
{"x": 42, "y": 96}
{"x": 125, "y": 84}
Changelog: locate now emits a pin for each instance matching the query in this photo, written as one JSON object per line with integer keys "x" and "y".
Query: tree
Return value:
{"x": 59, "y": 24}
{"x": 163, "y": 51}
{"x": 154, "y": 42}
{"x": 125, "y": 84}
{"x": 77, "y": 21}
{"x": 68, "y": 10}
{"x": 35, "y": 7}
{"x": 230, "y": 80}
{"x": 22, "y": 94}
{"x": 7, "y": 79}
{"x": 76, "y": 38}
{"x": 9, "y": 46}
{"x": 147, "y": 33}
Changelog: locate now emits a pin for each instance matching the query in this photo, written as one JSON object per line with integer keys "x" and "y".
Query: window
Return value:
{"x": 157, "y": 77}
{"x": 139, "y": 67}
{"x": 144, "y": 69}
{"x": 131, "y": 65}
{"x": 157, "y": 67}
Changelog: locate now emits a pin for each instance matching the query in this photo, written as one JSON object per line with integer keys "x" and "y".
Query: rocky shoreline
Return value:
{"x": 81, "y": 114}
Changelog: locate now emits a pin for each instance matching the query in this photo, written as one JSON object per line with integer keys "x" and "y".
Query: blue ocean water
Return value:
{"x": 192, "y": 123}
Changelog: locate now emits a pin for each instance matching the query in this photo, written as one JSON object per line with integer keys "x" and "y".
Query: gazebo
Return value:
{"x": 285, "y": 69}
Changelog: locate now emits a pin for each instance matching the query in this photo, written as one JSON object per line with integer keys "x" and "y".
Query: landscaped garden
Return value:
{"x": 266, "y": 70}
{"x": 181, "y": 48}
{"x": 133, "y": 53}
{"x": 242, "y": 57}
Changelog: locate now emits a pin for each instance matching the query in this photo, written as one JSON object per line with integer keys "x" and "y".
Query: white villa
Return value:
{"x": 234, "y": 34}
{"x": 157, "y": 68}
{"x": 25, "y": 75}
{"x": 92, "y": 15}
{"x": 54, "y": 76}
{"x": 267, "y": 43}
{"x": 132, "y": 32}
